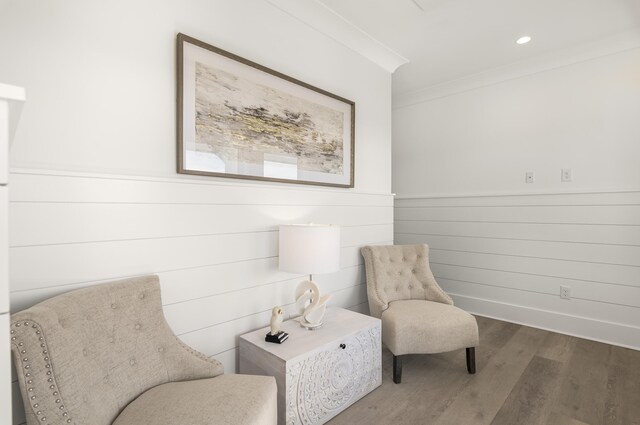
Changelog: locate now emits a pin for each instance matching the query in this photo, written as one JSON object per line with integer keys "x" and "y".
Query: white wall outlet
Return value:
{"x": 567, "y": 175}
{"x": 530, "y": 177}
{"x": 565, "y": 292}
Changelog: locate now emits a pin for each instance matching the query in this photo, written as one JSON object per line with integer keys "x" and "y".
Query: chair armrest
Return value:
{"x": 191, "y": 364}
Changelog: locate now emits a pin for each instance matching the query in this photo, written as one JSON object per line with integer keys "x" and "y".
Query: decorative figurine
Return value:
{"x": 313, "y": 312}
{"x": 276, "y": 320}
{"x": 276, "y": 335}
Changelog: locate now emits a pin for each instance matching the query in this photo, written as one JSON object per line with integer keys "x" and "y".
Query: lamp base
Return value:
{"x": 309, "y": 326}
{"x": 312, "y": 313}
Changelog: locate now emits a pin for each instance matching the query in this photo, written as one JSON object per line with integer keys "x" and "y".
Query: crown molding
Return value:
{"x": 560, "y": 58}
{"x": 325, "y": 20}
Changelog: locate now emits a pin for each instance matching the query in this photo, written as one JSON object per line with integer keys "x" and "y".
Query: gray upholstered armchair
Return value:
{"x": 105, "y": 355}
{"x": 418, "y": 317}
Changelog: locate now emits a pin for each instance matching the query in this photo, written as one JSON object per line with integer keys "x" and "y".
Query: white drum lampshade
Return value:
{"x": 309, "y": 248}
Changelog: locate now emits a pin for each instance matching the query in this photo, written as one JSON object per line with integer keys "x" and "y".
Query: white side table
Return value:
{"x": 319, "y": 373}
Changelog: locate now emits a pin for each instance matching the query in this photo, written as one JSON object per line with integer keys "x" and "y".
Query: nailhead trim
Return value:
{"x": 28, "y": 360}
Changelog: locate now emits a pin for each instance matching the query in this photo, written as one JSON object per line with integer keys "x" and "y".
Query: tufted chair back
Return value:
{"x": 399, "y": 272}
{"x": 81, "y": 357}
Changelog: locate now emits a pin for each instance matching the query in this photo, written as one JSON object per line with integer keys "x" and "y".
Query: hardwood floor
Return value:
{"x": 524, "y": 376}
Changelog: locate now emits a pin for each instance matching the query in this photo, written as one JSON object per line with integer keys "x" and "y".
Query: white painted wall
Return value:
{"x": 503, "y": 247}
{"x": 582, "y": 116}
{"x": 94, "y": 192}
{"x": 102, "y": 80}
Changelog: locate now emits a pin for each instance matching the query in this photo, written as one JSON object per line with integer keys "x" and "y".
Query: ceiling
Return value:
{"x": 444, "y": 40}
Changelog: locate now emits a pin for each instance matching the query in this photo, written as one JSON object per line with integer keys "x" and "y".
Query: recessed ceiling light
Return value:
{"x": 523, "y": 40}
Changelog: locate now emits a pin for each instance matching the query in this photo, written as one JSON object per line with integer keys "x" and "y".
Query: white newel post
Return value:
{"x": 11, "y": 100}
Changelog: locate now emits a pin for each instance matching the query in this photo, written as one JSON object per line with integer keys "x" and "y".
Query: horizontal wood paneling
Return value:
{"x": 583, "y": 327}
{"x": 580, "y": 289}
{"x": 39, "y": 186}
{"x": 514, "y": 252}
{"x": 623, "y": 197}
{"x": 49, "y": 265}
{"x": 207, "y": 311}
{"x": 576, "y": 233}
{"x": 75, "y": 263}
{"x": 214, "y": 246}
{"x": 575, "y": 307}
{"x": 58, "y": 224}
{"x": 564, "y": 214}
{"x": 596, "y": 272}
{"x": 569, "y": 251}
{"x": 185, "y": 284}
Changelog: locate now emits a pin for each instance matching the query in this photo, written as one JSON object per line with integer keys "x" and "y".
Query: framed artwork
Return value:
{"x": 242, "y": 120}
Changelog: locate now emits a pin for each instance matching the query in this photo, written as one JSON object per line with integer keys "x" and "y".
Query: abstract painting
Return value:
{"x": 242, "y": 120}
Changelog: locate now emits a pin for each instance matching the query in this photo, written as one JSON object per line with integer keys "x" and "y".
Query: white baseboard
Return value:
{"x": 582, "y": 327}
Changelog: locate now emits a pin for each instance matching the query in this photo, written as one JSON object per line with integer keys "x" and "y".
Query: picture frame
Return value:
{"x": 242, "y": 120}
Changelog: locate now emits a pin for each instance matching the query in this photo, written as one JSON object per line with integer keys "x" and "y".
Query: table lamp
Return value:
{"x": 310, "y": 249}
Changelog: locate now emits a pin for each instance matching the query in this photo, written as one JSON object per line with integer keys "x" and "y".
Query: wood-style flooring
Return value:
{"x": 524, "y": 376}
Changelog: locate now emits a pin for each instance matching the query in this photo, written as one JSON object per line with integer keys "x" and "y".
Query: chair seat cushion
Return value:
{"x": 225, "y": 399}
{"x": 421, "y": 327}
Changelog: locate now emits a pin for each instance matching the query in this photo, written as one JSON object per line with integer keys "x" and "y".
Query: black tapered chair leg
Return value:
{"x": 471, "y": 360}
{"x": 397, "y": 369}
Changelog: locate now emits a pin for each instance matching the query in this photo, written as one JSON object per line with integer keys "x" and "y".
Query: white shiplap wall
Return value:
{"x": 213, "y": 244}
{"x": 506, "y": 257}
{"x": 112, "y": 111}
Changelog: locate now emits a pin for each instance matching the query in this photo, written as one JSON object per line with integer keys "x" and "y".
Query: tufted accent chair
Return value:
{"x": 105, "y": 355}
{"x": 418, "y": 317}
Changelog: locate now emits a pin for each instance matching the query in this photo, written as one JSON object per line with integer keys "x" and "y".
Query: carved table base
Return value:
{"x": 319, "y": 373}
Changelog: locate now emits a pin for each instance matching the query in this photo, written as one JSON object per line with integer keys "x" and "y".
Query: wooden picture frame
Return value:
{"x": 242, "y": 120}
